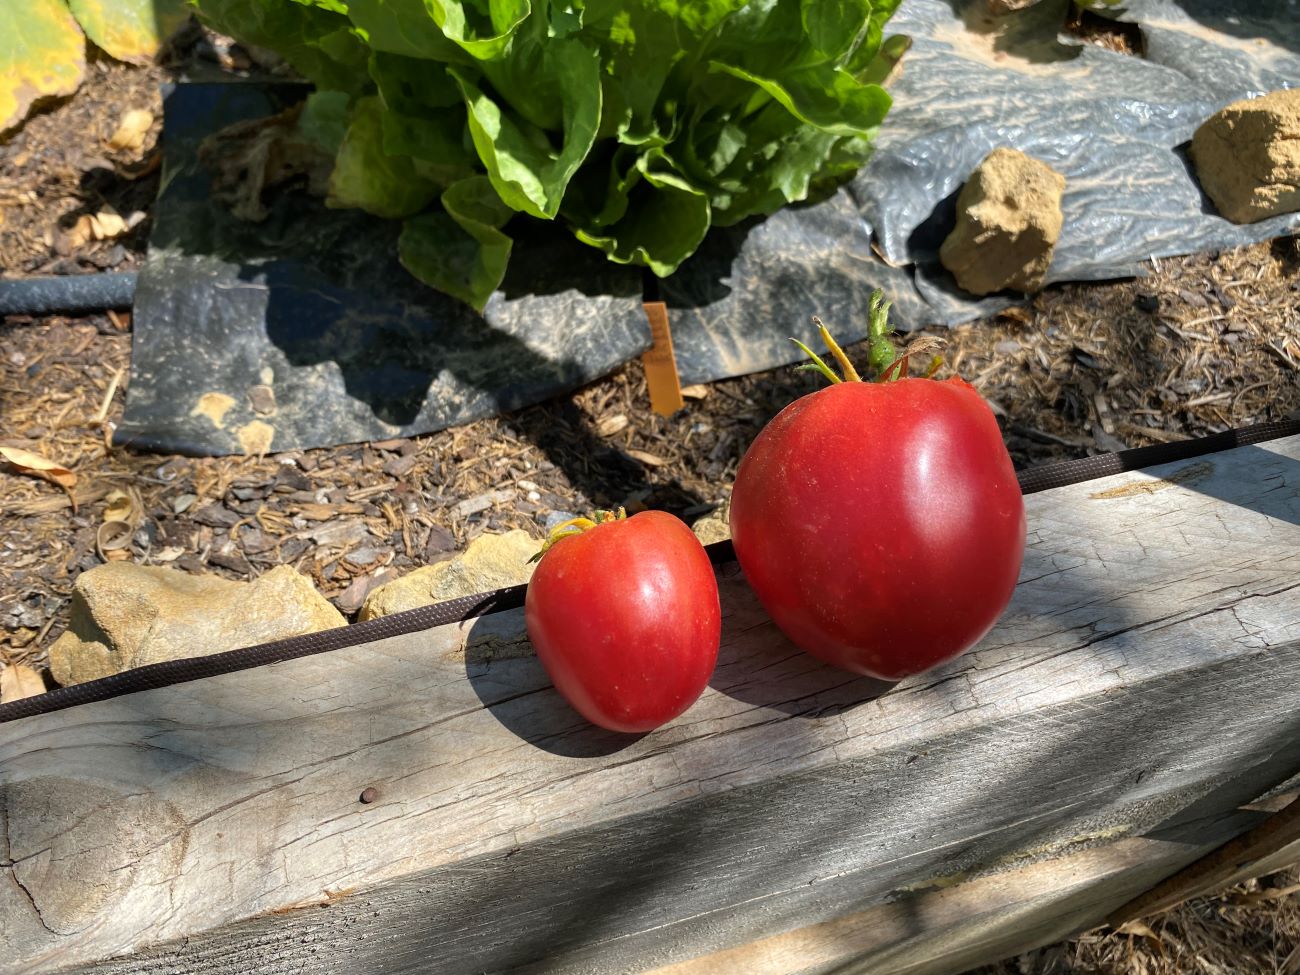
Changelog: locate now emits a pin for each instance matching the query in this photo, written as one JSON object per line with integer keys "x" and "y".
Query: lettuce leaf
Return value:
{"x": 528, "y": 170}
{"x": 653, "y": 216}
{"x": 639, "y": 124}
{"x": 461, "y": 250}
{"x": 367, "y": 177}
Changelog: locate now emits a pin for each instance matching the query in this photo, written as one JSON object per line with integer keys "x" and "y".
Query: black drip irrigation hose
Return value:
{"x": 67, "y": 293}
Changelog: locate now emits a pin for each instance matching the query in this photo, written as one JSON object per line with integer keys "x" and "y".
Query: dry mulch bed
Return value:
{"x": 1200, "y": 344}
{"x": 1251, "y": 929}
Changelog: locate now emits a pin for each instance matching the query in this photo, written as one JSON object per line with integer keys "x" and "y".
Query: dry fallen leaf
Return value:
{"x": 18, "y": 681}
{"x": 647, "y": 458}
{"x": 122, "y": 515}
{"x": 37, "y": 466}
{"x": 105, "y": 225}
{"x": 78, "y": 234}
{"x": 119, "y": 507}
{"x": 695, "y": 392}
{"x": 132, "y": 129}
{"x": 1138, "y": 928}
{"x": 113, "y": 540}
{"x": 611, "y": 425}
{"x": 108, "y": 223}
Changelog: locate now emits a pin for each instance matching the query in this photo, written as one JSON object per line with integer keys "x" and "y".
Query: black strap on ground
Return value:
{"x": 1063, "y": 472}
{"x": 465, "y": 608}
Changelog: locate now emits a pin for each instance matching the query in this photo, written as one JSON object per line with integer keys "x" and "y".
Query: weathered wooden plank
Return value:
{"x": 948, "y": 929}
{"x": 1146, "y": 666}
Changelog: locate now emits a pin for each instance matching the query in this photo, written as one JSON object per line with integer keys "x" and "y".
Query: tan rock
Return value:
{"x": 490, "y": 562}
{"x": 1008, "y": 222}
{"x": 1247, "y": 157}
{"x": 713, "y": 527}
{"x": 126, "y": 615}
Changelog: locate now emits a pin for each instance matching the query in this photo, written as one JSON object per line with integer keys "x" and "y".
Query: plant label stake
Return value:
{"x": 661, "y": 364}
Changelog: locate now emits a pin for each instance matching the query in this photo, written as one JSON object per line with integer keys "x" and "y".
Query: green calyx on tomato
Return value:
{"x": 576, "y": 526}
{"x": 881, "y": 357}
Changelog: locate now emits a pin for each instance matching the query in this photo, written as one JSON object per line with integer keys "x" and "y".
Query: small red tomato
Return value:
{"x": 880, "y": 523}
{"x": 626, "y": 620}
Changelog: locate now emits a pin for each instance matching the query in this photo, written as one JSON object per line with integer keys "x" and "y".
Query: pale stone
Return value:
{"x": 126, "y": 615}
{"x": 1008, "y": 222}
{"x": 1247, "y": 157}
{"x": 712, "y": 528}
{"x": 490, "y": 562}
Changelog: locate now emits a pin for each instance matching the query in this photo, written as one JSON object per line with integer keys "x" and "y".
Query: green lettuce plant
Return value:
{"x": 637, "y": 124}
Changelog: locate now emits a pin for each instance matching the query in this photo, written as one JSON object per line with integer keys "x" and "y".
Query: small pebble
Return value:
{"x": 262, "y": 399}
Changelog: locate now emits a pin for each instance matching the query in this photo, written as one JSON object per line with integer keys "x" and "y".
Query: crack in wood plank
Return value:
{"x": 11, "y": 864}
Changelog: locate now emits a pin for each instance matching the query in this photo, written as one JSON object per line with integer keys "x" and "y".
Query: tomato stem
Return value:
{"x": 817, "y": 364}
{"x": 887, "y": 365}
{"x": 895, "y": 370}
{"x": 576, "y": 526}
{"x": 880, "y": 350}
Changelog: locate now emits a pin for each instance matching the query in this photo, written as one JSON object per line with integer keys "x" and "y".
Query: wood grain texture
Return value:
{"x": 953, "y": 928}
{"x": 1143, "y": 677}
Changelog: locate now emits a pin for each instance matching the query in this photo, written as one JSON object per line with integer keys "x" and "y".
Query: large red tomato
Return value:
{"x": 626, "y": 620}
{"x": 881, "y": 524}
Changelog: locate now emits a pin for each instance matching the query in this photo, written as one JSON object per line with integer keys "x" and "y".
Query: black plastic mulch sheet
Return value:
{"x": 313, "y": 305}
{"x": 304, "y": 331}
{"x": 1116, "y": 125}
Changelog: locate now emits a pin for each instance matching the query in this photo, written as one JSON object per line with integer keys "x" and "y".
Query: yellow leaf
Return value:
{"x": 132, "y": 129}
{"x": 42, "y": 55}
{"x": 130, "y": 30}
{"x": 107, "y": 224}
{"x": 119, "y": 507}
{"x": 37, "y": 466}
{"x": 18, "y": 681}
